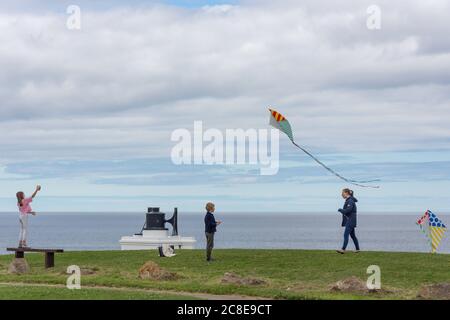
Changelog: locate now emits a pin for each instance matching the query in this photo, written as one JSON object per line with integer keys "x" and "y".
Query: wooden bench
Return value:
{"x": 49, "y": 254}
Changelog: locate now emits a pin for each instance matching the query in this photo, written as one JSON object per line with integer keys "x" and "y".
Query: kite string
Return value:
{"x": 356, "y": 183}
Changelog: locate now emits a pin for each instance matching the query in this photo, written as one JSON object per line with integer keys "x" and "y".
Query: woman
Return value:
{"x": 349, "y": 219}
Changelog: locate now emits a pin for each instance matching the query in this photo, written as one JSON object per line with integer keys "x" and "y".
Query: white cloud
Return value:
{"x": 118, "y": 87}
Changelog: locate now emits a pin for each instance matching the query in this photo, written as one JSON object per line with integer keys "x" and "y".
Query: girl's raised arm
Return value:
{"x": 38, "y": 188}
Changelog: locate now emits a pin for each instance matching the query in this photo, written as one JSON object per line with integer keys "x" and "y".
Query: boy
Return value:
{"x": 210, "y": 229}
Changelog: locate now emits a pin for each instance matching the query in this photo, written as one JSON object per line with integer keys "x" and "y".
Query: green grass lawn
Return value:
{"x": 290, "y": 274}
{"x": 12, "y": 292}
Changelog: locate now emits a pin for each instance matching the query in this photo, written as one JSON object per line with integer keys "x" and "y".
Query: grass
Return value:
{"x": 30, "y": 292}
{"x": 290, "y": 274}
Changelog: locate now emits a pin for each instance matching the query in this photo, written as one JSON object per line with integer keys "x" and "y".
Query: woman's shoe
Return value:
{"x": 340, "y": 251}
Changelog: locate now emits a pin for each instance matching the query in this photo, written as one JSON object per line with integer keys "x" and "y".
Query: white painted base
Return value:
{"x": 152, "y": 239}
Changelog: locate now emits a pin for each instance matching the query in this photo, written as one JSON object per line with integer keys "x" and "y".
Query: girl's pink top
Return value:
{"x": 25, "y": 208}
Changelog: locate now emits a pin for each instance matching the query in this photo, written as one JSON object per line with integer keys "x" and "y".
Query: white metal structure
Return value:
{"x": 153, "y": 239}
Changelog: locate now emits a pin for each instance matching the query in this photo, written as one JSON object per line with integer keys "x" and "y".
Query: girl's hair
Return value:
{"x": 20, "y": 195}
{"x": 348, "y": 191}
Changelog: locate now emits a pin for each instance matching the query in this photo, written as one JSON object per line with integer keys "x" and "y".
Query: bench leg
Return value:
{"x": 49, "y": 259}
{"x": 20, "y": 254}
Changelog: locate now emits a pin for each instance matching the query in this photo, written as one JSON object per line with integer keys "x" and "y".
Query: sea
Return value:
{"x": 102, "y": 231}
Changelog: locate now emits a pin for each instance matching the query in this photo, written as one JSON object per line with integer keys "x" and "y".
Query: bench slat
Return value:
{"x": 34, "y": 250}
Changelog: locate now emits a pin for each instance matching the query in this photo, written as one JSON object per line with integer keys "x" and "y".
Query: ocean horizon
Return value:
{"x": 74, "y": 231}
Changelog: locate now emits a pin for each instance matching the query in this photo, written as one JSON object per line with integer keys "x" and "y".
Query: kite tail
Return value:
{"x": 354, "y": 182}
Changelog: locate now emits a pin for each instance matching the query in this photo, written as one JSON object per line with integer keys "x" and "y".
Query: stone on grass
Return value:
{"x": 85, "y": 271}
{"x": 352, "y": 284}
{"x": 440, "y": 291}
{"x": 232, "y": 278}
{"x": 152, "y": 271}
{"x": 19, "y": 266}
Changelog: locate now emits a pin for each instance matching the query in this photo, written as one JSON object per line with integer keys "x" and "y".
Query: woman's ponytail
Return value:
{"x": 348, "y": 191}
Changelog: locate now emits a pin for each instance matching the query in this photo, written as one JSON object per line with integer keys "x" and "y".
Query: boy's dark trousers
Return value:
{"x": 209, "y": 244}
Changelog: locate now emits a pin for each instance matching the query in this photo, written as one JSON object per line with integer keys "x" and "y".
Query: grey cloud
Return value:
{"x": 119, "y": 86}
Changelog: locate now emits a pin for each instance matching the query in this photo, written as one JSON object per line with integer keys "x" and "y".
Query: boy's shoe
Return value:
{"x": 357, "y": 251}
{"x": 340, "y": 251}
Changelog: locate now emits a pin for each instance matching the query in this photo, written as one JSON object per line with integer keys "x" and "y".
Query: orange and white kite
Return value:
{"x": 278, "y": 121}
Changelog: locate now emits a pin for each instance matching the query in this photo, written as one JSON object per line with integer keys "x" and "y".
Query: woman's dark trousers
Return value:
{"x": 350, "y": 231}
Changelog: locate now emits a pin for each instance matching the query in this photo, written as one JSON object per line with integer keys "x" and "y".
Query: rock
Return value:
{"x": 151, "y": 270}
{"x": 440, "y": 291}
{"x": 19, "y": 266}
{"x": 356, "y": 285}
{"x": 352, "y": 284}
{"x": 232, "y": 278}
{"x": 88, "y": 271}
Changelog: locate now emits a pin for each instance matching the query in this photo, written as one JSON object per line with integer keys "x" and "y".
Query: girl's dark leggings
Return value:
{"x": 350, "y": 231}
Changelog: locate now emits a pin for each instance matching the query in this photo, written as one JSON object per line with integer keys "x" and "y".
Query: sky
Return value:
{"x": 89, "y": 113}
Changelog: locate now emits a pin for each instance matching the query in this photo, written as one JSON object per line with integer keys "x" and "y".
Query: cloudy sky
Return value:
{"x": 89, "y": 113}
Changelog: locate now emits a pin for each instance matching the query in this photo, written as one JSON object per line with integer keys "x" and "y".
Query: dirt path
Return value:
{"x": 204, "y": 296}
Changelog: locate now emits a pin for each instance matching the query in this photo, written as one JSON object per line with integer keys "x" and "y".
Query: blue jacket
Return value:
{"x": 210, "y": 223}
{"x": 349, "y": 212}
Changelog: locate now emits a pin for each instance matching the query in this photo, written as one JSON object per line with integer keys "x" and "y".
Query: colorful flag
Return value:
{"x": 433, "y": 228}
{"x": 277, "y": 120}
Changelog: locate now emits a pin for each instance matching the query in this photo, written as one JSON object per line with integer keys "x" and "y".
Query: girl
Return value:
{"x": 349, "y": 219}
{"x": 24, "y": 210}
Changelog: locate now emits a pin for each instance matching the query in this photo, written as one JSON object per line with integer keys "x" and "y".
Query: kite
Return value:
{"x": 433, "y": 228}
{"x": 278, "y": 121}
